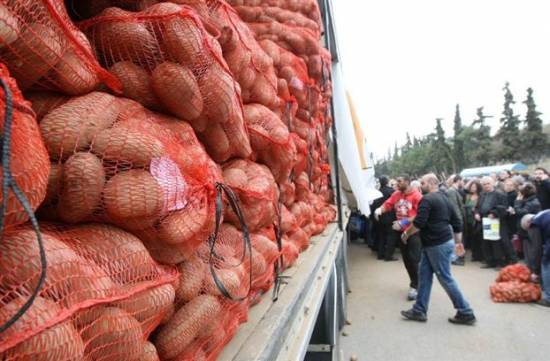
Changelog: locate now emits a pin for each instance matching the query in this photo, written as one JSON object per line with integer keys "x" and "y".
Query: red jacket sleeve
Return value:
{"x": 390, "y": 202}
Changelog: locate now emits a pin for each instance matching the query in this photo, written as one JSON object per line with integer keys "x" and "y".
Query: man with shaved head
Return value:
{"x": 493, "y": 205}
{"x": 441, "y": 234}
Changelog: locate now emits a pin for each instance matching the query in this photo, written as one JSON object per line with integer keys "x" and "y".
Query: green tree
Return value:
{"x": 458, "y": 142}
{"x": 481, "y": 142}
{"x": 443, "y": 156}
{"x": 509, "y": 129}
{"x": 532, "y": 140}
{"x": 408, "y": 144}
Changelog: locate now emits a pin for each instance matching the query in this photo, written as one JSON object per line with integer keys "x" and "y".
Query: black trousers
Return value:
{"x": 410, "y": 252}
{"x": 532, "y": 249}
{"x": 386, "y": 244}
{"x": 493, "y": 253}
{"x": 508, "y": 251}
{"x": 474, "y": 237}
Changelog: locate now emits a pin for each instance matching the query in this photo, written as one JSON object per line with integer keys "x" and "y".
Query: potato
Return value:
{"x": 9, "y": 27}
{"x": 74, "y": 74}
{"x": 229, "y": 278}
{"x": 267, "y": 248}
{"x": 120, "y": 254}
{"x": 118, "y": 39}
{"x": 183, "y": 41}
{"x": 219, "y": 93}
{"x": 149, "y": 353}
{"x": 70, "y": 279}
{"x": 189, "y": 320}
{"x": 45, "y": 102}
{"x": 133, "y": 199}
{"x": 176, "y": 87}
{"x": 83, "y": 181}
{"x": 216, "y": 142}
{"x": 136, "y": 83}
{"x": 235, "y": 178}
{"x": 58, "y": 342}
{"x": 113, "y": 336}
{"x": 186, "y": 225}
{"x": 163, "y": 252}
{"x": 149, "y": 307}
{"x": 37, "y": 50}
{"x": 72, "y": 126}
{"x": 192, "y": 272}
{"x": 127, "y": 146}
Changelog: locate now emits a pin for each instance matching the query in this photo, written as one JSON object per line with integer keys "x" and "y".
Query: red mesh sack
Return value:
{"x": 212, "y": 294}
{"x": 117, "y": 162}
{"x": 257, "y": 192}
{"x": 43, "y": 49}
{"x": 289, "y": 253}
{"x": 300, "y": 238}
{"x": 43, "y": 102}
{"x": 516, "y": 272}
{"x": 166, "y": 60}
{"x": 249, "y": 64}
{"x": 96, "y": 301}
{"x": 288, "y": 193}
{"x": 308, "y": 8}
{"x": 28, "y": 159}
{"x": 270, "y": 141}
{"x": 515, "y": 291}
{"x": 259, "y": 14}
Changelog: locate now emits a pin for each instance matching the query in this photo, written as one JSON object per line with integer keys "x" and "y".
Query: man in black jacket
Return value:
{"x": 383, "y": 225}
{"x": 435, "y": 218}
{"x": 494, "y": 205}
{"x": 542, "y": 181}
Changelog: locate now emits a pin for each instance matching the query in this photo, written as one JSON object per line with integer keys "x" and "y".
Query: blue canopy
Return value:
{"x": 481, "y": 171}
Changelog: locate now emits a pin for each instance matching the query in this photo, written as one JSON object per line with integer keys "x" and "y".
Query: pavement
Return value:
{"x": 515, "y": 332}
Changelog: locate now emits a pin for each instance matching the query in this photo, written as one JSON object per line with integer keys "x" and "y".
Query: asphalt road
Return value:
{"x": 518, "y": 332}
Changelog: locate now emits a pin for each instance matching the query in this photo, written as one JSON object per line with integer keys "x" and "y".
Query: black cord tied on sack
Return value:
{"x": 289, "y": 115}
{"x": 279, "y": 265}
{"x": 247, "y": 244}
{"x": 7, "y": 183}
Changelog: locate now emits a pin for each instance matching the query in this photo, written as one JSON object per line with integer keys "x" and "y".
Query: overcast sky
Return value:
{"x": 408, "y": 62}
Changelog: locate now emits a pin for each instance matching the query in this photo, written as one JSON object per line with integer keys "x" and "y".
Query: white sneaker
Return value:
{"x": 411, "y": 296}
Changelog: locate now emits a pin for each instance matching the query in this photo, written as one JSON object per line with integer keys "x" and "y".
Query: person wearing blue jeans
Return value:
{"x": 540, "y": 223}
{"x": 439, "y": 242}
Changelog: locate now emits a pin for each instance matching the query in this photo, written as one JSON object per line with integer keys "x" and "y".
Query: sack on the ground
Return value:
{"x": 515, "y": 291}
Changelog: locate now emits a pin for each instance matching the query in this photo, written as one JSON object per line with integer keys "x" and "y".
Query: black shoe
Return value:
{"x": 544, "y": 302}
{"x": 414, "y": 315}
{"x": 458, "y": 262}
{"x": 380, "y": 258}
{"x": 485, "y": 266}
{"x": 391, "y": 259}
{"x": 462, "y": 319}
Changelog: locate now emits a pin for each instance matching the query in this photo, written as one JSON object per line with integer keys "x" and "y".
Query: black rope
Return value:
{"x": 323, "y": 75}
{"x": 289, "y": 117}
{"x": 7, "y": 183}
{"x": 279, "y": 264}
{"x": 247, "y": 244}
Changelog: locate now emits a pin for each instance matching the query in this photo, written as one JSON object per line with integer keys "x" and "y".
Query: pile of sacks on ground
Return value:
{"x": 513, "y": 284}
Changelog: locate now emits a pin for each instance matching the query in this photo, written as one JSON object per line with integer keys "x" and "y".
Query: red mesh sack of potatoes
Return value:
{"x": 515, "y": 291}
{"x": 117, "y": 162}
{"x": 101, "y": 297}
{"x": 166, "y": 60}
{"x": 308, "y": 8}
{"x": 26, "y": 155}
{"x": 257, "y": 191}
{"x": 267, "y": 14}
{"x": 43, "y": 102}
{"x": 516, "y": 272}
{"x": 44, "y": 50}
{"x": 270, "y": 141}
{"x": 248, "y": 62}
{"x": 212, "y": 294}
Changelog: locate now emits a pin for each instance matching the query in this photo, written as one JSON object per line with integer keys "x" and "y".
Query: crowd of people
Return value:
{"x": 504, "y": 219}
